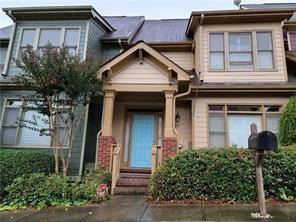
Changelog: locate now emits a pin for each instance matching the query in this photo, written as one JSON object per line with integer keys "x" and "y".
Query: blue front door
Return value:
{"x": 143, "y": 131}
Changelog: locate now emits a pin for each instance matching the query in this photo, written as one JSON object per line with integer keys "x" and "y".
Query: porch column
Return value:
{"x": 106, "y": 139}
{"x": 169, "y": 142}
{"x": 108, "y": 113}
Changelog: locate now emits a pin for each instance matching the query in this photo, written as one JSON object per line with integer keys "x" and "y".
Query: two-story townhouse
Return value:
{"x": 79, "y": 28}
{"x": 184, "y": 83}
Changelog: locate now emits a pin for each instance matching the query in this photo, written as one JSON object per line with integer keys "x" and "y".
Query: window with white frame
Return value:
{"x": 27, "y": 40}
{"x": 52, "y": 36}
{"x": 68, "y": 36}
{"x": 13, "y": 134}
{"x": 239, "y": 51}
{"x": 265, "y": 50}
{"x": 229, "y": 125}
{"x": 217, "y": 51}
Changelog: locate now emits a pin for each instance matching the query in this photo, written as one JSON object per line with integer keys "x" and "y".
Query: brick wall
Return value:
{"x": 169, "y": 148}
{"x": 104, "y": 152}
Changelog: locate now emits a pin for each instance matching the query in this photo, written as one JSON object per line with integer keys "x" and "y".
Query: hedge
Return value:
{"x": 38, "y": 190}
{"x": 17, "y": 163}
{"x": 224, "y": 174}
{"x": 287, "y": 128}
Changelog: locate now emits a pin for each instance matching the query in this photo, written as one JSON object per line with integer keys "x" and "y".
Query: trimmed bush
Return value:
{"x": 38, "y": 190}
{"x": 17, "y": 163}
{"x": 224, "y": 174}
{"x": 287, "y": 129}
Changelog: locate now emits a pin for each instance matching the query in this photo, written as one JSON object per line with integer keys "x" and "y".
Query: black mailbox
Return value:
{"x": 264, "y": 140}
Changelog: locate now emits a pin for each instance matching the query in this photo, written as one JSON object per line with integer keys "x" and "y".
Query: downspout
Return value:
{"x": 9, "y": 50}
{"x": 174, "y": 112}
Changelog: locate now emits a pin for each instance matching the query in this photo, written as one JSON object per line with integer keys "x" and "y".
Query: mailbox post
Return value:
{"x": 262, "y": 143}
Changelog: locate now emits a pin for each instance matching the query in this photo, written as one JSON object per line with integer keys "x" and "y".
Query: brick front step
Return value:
{"x": 136, "y": 170}
{"x": 132, "y": 182}
{"x": 135, "y": 175}
{"x": 131, "y": 190}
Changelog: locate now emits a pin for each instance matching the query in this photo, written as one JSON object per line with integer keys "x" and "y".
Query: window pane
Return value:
{"x": 11, "y": 116}
{"x": 216, "y": 107}
{"x": 265, "y": 60}
{"x": 272, "y": 108}
{"x": 240, "y": 57}
{"x": 71, "y": 37}
{"x": 72, "y": 51}
{"x": 216, "y": 42}
{"x": 217, "y": 60}
{"x": 49, "y": 35}
{"x": 272, "y": 123}
{"x": 32, "y": 137}
{"x": 217, "y": 122}
{"x": 241, "y": 66}
{"x": 28, "y": 37}
{"x": 264, "y": 41}
{"x": 240, "y": 42}
{"x": 239, "y": 128}
{"x": 61, "y": 135}
{"x": 243, "y": 108}
{"x": 8, "y": 135}
{"x": 217, "y": 140}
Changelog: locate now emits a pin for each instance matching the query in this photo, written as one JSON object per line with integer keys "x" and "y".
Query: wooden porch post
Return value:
{"x": 108, "y": 113}
{"x": 106, "y": 139}
{"x": 168, "y": 128}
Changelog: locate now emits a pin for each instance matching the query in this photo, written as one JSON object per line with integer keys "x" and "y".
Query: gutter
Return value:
{"x": 9, "y": 50}
{"x": 174, "y": 111}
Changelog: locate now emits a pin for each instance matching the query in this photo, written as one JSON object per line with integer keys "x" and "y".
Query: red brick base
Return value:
{"x": 169, "y": 148}
{"x": 104, "y": 152}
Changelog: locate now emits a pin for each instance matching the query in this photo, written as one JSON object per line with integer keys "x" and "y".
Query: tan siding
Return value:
{"x": 118, "y": 122}
{"x": 200, "y": 117}
{"x": 140, "y": 73}
{"x": 277, "y": 75}
{"x": 185, "y": 125}
{"x": 183, "y": 59}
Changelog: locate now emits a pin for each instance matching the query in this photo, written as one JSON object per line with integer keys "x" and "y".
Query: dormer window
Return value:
{"x": 38, "y": 38}
{"x": 241, "y": 51}
{"x": 27, "y": 40}
{"x": 52, "y": 36}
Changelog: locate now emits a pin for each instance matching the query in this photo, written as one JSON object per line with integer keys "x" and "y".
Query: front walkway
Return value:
{"x": 134, "y": 208}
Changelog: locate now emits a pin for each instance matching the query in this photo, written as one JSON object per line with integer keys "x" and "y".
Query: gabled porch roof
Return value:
{"x": 138, "y": 50}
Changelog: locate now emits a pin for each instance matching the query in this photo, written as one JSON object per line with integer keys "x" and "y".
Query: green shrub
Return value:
{"x": 225, "y": 174}
{"x": 98, "y": 175}
{"x": 17, "y": 163}
{"x": 287, "y": 128}
{"x": 38, "y": 190}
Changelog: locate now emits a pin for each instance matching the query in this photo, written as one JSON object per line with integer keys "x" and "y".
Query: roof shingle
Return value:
{"x": 125, "y": 26}
{"x": 165, "y": 30}
{"x": 5, "y": 32}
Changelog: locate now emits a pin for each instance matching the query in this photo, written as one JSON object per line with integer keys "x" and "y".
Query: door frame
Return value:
{"x": 131, "y": 114}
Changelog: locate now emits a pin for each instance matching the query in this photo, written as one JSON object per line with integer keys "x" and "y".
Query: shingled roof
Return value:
{"x": 165, "y": 30}
{"x": 5, "y": 32}
{"x": 125, "y": 26}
